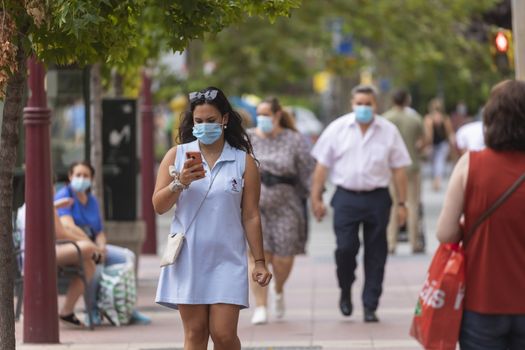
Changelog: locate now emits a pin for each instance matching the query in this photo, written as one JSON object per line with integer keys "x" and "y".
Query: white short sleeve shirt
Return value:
{"x": 470, "y": 137}
{"x": 361, "y": 162}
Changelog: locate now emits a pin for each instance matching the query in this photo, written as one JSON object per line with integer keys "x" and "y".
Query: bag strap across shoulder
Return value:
{"x": 205, "y": 196}
{"x": 493, "y": 207}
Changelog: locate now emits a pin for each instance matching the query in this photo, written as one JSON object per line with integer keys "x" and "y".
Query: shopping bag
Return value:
{"x": 118, "y": 293}
{"x": 437, "y": 319}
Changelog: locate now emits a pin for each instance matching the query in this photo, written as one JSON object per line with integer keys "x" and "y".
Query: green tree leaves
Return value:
{"x": 411, "y": 42}
{"x": 83, "y": 32}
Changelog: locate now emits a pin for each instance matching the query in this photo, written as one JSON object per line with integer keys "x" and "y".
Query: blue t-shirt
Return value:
{"x": 87, "y": 215}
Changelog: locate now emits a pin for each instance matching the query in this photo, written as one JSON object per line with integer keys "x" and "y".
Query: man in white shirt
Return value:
{"x": 361, "y": 152}
{"x": 470, "y": 137}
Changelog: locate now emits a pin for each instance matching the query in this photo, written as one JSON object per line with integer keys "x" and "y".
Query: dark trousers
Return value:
{"x": 492, "y": 332}
{"x": 372, "y": 210}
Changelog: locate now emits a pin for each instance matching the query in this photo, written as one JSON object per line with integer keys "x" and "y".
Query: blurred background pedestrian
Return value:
{"x": 469, "y": 137}
{"x": 286, "y": 167}
{"x": 459, "y": 116}
{"x": 410, "y": 126}
{"x": 494, "y": 311}
{"x": 439, "y": 131}
{"x": 83, "y": 216}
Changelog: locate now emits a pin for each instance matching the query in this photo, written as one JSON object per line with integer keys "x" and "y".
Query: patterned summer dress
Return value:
{"x": 282, "y": 206}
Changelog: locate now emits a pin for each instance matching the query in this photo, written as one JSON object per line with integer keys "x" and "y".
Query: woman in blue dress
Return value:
{"x": 216, "y": 203}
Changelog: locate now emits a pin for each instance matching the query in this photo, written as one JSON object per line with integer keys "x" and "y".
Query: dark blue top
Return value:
{"x": 87, "y": 215}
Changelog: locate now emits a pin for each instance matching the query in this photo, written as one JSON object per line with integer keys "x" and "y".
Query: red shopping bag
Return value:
{"x": 439, "y": 308}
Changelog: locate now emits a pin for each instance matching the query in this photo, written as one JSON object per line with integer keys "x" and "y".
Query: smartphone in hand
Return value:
{"x": 196, "y": 158}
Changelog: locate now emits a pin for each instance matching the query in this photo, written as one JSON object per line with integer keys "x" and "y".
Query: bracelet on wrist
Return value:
{"x": 177, "y": 186}
{"x": 262, "y": 260}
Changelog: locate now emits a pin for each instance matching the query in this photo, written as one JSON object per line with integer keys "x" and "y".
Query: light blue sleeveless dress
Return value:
{"x": 212, "y": 266}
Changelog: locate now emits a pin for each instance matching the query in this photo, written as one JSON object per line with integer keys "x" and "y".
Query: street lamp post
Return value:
{"x": 40, "y": 287}
{"x": 147, "y": 166}
{"x": 518, "y": 28}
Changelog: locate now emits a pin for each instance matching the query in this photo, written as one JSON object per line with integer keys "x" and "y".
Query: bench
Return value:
{"x": 64, "y": 274}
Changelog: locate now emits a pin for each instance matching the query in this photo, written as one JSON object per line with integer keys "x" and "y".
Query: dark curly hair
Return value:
{"x": 234, "y": 134}
{"x": 504, "y": 117}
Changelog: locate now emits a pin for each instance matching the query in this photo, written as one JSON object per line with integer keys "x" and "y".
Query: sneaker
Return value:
{"x": 139, "y": 318}
{"x": 278, "y": 305}
{"x": 260, "y": 315}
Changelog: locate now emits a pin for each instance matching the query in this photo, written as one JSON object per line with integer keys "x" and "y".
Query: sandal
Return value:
{"x": 71, "y": 319}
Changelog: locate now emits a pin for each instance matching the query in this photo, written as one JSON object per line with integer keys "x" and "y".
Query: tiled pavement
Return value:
{"x": 312, "y": 319}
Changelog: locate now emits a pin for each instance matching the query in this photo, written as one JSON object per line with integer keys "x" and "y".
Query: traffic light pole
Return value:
{"x": 518, "y": 29}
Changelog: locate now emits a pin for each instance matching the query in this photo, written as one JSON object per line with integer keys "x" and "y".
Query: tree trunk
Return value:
{"x": 96, "y": 135}
{"x": 194, "y": 59}
{"x": 14, "y": 104}
{"x": 118, "y": 83}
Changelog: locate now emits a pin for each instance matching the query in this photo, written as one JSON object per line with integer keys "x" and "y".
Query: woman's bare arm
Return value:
{"x": 251, "y": 219}
{"x": 448, "y": 230}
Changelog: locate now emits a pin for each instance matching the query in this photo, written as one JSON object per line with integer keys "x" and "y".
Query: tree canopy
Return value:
{"x": 121, "y": 33}
{"x": 429, "y": 46}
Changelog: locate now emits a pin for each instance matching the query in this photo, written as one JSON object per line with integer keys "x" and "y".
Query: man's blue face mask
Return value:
{"x": 363, "y": 114}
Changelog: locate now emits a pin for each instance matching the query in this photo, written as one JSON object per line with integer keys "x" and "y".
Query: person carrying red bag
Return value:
{"x": 494, "y": 301}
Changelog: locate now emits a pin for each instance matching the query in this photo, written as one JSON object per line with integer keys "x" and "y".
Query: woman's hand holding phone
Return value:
{"x": 193, "y": 168}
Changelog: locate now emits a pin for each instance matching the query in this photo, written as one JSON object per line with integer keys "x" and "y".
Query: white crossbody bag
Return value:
{"x": 176, "y": 240}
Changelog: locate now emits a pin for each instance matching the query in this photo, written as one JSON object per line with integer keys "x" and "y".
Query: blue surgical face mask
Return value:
{"x": 265, "y": 123}
{"x": 80, "y": 184}
{"x": 207, "y": 133}
{"x": 363, "y": 114}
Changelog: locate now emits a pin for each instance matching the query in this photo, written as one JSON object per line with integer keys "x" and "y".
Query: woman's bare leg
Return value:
{"x": 282, "y": 266}
{"x": 67, "y": 255}
{"x": 223, "y": 326}
{"x": 195, "y": 319}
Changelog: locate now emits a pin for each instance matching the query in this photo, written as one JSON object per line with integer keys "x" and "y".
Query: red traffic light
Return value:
{"x": 502, "y": 42}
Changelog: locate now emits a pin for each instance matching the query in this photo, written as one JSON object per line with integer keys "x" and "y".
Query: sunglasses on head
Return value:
{"x": 208, "y": 95}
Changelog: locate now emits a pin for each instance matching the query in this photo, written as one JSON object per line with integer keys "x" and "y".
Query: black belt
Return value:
{"x": 360, "y": 192}
{"x": 270, "y": 179}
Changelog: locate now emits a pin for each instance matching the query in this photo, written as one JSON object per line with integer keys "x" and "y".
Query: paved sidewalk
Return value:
{"x": 312, "y": 319}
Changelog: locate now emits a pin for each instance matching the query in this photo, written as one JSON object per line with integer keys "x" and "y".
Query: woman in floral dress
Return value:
{"x": 286, "y": 167}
